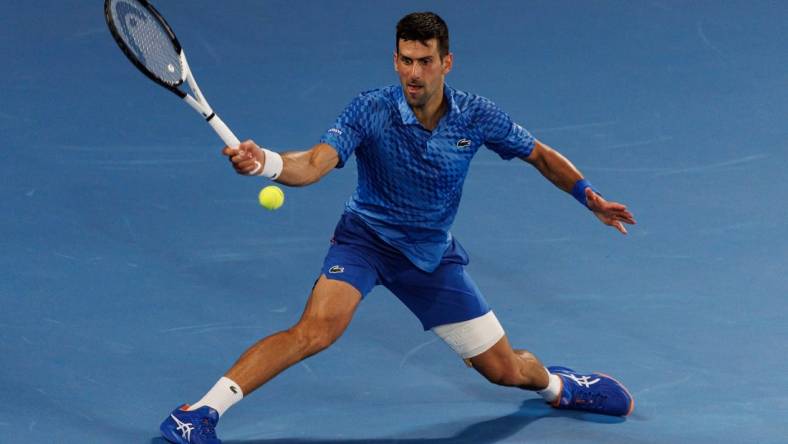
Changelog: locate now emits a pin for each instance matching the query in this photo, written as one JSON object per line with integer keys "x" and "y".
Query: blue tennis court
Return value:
{"x": 137, "y": 265}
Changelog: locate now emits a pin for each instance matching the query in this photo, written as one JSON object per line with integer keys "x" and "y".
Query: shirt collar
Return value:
{"x": 408, "y": 118}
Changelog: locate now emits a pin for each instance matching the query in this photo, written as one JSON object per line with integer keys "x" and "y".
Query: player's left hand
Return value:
{"x": 613, "y": 214}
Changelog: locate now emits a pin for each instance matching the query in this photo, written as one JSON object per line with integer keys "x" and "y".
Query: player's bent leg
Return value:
{"x": 326, "y": 316}
{"x": 512, "y": 368}
{"x": 482, "y": 343}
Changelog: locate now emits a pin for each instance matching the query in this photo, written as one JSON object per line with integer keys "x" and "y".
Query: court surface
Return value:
{"x": 136, "y": 266}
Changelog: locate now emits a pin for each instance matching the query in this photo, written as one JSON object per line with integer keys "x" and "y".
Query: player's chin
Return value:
{"x": 416, "y": 100}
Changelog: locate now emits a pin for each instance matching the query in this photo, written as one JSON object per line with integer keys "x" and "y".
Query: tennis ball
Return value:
{"x": 271, "y": 197}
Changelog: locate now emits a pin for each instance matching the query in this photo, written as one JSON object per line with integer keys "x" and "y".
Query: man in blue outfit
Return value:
{"x": 413, "y": 143}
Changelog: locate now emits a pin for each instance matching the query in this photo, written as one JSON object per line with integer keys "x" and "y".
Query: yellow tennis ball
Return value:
{"x": 271, "y": 197}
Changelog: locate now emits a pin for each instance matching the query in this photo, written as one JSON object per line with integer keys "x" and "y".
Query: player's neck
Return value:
{"x": 430, "y": 114}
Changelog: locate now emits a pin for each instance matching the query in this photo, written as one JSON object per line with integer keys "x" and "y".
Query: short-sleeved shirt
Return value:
{"x": 410, "y": 179}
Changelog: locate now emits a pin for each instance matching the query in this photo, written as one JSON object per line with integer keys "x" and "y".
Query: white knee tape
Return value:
{"x": 473, "y": 337}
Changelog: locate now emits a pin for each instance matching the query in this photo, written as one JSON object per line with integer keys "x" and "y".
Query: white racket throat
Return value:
{"x": 201, "y": 105}
{"x": 273, "y": 161}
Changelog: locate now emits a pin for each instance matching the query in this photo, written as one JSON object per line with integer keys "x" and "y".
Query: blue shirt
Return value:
{"x": 410, "y": 179}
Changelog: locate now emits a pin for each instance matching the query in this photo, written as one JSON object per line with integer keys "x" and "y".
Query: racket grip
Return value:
{"x": 223, "y": 131}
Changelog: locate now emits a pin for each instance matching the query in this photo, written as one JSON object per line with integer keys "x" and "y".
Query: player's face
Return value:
{"x": 421, "y": 71}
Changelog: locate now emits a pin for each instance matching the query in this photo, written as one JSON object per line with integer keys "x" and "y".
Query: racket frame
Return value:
{"x": 198, "y": 102}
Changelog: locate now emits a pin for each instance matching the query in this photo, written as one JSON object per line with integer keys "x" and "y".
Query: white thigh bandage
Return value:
{"x": 471, "y": 338}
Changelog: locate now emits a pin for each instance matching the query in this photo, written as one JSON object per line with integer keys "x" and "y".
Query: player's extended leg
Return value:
{"x": 326, "y": 316}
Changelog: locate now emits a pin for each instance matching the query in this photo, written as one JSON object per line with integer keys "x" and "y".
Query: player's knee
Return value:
{"x": 313, "y": 337}
{"x": 321, "y": 341}
{"x": 473, "y": 337}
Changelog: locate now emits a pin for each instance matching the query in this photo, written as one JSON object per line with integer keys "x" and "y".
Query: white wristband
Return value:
{"x": 273, "y": 164}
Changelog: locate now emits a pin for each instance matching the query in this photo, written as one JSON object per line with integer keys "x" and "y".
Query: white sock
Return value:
{"x": 553, "y": 389}
{"x": 221, "y": 397}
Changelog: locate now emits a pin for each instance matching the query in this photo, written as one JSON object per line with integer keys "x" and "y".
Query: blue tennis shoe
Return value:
{"x": 592, "y": 392}
{"x": 191, "y": 426}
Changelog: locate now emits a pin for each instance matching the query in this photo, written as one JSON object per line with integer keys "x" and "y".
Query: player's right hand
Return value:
{"x": 247, "y": 159}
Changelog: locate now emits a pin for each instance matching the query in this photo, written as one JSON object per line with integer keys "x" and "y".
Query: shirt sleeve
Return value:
{"x": 501, "y": 134}
{"x": 350, "y": 129}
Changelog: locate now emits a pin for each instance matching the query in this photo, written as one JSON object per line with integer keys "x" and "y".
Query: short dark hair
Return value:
{"x": 423, "y": 26}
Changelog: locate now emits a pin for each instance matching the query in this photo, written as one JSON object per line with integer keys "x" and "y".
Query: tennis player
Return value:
{"x": 413, "y": 143}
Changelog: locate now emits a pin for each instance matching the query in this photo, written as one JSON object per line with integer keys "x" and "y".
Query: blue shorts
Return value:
{"x": 360, "y": 258}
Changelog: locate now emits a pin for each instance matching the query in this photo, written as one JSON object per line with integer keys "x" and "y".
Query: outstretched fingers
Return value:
{"x": 613, "y": 214}
{"x": 620, "y": 227}
{"x": 621, "y": 213}
{"x": 613, "y": 221}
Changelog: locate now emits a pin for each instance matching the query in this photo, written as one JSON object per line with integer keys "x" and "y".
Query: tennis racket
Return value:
{"x": 148, "y": 41}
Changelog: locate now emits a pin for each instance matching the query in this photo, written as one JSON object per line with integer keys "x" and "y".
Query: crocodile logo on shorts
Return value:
{"x": 336, "y": 269}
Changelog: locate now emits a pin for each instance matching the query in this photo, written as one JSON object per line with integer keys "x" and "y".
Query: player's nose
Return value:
{"x": 415, "y": 72}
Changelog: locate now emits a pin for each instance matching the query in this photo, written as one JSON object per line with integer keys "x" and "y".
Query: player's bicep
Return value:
{"x": 323, "y": 158}
{"x": 537, "y": 155}
{"x": 501, "y": 134}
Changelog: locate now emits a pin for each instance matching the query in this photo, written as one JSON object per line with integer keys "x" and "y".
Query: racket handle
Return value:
{"x": 223, "y": 131}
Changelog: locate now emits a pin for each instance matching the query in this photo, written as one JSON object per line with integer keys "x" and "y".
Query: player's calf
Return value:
{"x": 481, "y": 342}
{"x": 503, "y": 366}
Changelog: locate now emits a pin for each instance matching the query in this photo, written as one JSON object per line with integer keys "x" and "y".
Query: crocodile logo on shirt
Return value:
{"x": 464, "y": 144}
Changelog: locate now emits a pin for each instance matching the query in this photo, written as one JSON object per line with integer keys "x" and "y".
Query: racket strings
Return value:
{"x": 147, "y": 40}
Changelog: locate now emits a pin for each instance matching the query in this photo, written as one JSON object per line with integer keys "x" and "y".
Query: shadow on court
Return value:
{"x": 483, "y": 432}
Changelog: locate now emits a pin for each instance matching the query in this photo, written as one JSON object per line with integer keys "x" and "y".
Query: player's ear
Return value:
{"x": 395, "y": 60}
{"x": 448, "y": 61}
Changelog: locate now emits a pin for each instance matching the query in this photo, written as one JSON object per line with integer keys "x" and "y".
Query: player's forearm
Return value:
{"x": 555, "y": 167}
{"x": 301, "y": 168}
